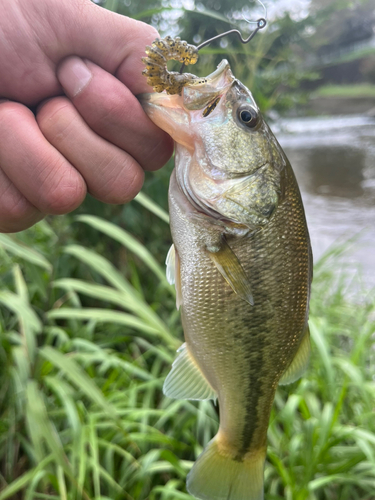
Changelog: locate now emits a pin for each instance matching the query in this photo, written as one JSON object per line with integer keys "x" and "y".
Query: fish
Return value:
{"x": 241, "y": 263}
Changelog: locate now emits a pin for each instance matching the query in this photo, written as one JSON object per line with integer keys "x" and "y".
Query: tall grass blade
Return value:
{"x": 124, "y": 300}
{"x": 74, "y": 373}
{"x": 127, "y": 240}
{"x": 24, "y": 252}
{"x": 41, "y": 431}
{"x": 151, "y": 12}
{"x": 103, "y": 316}
{"x": 21, "y": 309}
{"x": 153, "y": 207}
{"x": 22, "y": 482}
{"x": 102, "y": 266}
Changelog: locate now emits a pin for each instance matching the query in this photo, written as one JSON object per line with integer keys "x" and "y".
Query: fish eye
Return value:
{"x": 248, "y": 115}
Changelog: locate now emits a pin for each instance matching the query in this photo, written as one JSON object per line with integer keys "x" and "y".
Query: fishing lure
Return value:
{"x": 166, "y": 49}
{"x": 162, "y": 51}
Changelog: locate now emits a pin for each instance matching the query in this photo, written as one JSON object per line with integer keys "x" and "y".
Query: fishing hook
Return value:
{"x": 261, "y": 23}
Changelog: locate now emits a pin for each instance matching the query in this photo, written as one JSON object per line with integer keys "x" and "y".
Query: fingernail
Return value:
{"x": 73, "y": 75}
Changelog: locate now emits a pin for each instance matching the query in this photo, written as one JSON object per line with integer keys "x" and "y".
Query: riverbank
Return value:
{"x": 334, "y": 106}
{"x": 341, "y": 100}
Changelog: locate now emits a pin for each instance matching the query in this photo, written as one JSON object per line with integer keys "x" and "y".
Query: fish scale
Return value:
{"x": 247, "y": 325}
{"x": 243, "y": 269}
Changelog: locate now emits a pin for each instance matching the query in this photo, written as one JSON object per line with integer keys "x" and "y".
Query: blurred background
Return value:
{"x": 88, "y": 324}
{"x": 312, "y": 72}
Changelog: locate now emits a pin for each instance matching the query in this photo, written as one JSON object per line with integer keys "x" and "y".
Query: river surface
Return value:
{"x": 334, "y": 161}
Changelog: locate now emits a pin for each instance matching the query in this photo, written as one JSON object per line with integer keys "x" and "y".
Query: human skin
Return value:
{"x": 69, "y": 119}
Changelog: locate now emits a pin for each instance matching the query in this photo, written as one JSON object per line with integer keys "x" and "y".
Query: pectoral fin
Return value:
{"x": 173, "y": 273}
{"x": 230, "y": 268}
{"x": 185, "y": 380}
{"x": 299, "y": 363}
{"x": 170, "y": 264}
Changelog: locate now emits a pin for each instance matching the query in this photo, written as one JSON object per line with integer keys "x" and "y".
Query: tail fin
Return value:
{"x": 218, "y": 477}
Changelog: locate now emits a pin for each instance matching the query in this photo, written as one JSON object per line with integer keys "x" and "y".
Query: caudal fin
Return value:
{"x": 218, "y": 477}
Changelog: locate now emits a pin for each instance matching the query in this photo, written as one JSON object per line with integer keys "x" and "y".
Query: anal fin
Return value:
{"x": 299, "y": 363}
{"x": 185, "y": 380}
{"x": 230, "y": 268}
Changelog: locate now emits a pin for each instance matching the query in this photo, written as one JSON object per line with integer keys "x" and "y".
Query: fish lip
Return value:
{"x": 143, "y": 97}
{"x": 159, "y": 99}
{"x": 223, "y": 67}
{"x": 218, "y": 82}
{"x": 149, "y": 98}
{"x": 145, "y": 100}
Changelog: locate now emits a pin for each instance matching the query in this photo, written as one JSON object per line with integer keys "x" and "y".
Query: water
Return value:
{"x": 334, "y": 161}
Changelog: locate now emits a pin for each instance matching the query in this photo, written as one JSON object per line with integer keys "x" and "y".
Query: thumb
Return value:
{"x": 114, "y": 42}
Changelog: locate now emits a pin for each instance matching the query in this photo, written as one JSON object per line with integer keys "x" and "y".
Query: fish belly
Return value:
{"x": 241, "y": 349}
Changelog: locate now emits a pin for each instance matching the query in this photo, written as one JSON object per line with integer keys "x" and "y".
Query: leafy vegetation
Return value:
{"x": 89, "y": 329}
{"x": 83, "y": 359}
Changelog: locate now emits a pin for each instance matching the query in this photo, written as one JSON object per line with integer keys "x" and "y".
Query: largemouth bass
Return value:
{"x": 242, "y": 266}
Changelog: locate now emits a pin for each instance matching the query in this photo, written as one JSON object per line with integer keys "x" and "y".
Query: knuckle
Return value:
{"x": 55, "y": 118}
{"x": 108, "y": 111}
{"x": 11, "y": 112}
{"x": 64, "y": 195}
{"x": 124, "y": 181}
{"x": 17, "y": 210}
{"x": 16, "y": 214}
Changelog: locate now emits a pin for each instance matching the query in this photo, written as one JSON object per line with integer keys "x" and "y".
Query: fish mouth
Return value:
{"x": 198, "y": 93}
{"x": 215, "y": 83}
{"x": 168, "y": 113}
{"x": 172, "y": 112}
{"x": 158, "y": 99}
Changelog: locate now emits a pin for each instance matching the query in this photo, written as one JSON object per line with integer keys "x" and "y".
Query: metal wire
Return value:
{"x": 261, "y": 23}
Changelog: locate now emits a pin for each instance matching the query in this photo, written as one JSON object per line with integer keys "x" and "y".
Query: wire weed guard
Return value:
{"x": 166, "y": 49}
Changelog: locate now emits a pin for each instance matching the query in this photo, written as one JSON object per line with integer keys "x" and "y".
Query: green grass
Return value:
{"x": 351, "y": 91}
{"x": 84, "y": 350}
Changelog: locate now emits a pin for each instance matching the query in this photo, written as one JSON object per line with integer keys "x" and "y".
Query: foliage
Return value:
{"x": 270, "y": 66}
{"x": 88, "y": 331}
{"x": 284, "y": 61}
{"x": 84, "y": 355}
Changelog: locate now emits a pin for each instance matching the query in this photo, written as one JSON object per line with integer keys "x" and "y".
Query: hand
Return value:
{"x": 96, "y": 137}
